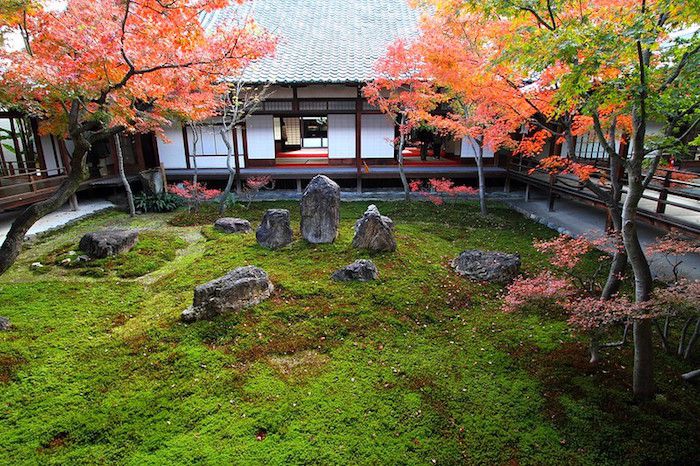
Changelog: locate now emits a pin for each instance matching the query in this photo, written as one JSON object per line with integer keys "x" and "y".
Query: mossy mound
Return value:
{"x": 150, "y": 253}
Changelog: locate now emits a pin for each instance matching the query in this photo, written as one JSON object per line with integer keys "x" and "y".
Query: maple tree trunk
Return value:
{"x": 402, "y": 174}
{"x": 482, "y": 179}
{"x": 643, "y": 377}
{"x": 231, "y": 171}
{"x": 195, "y": 176}
{"x": 12, "y": 246}
{"x": 595, "y": 347}
{"x": 619, "y": 260}
{"x": 122, "y": 175}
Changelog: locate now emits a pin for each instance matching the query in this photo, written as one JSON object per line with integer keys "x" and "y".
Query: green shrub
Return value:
{"x": 163, "y": 202}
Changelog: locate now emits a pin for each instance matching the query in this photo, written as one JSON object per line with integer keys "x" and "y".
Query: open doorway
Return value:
{"x": 301, "y": 140}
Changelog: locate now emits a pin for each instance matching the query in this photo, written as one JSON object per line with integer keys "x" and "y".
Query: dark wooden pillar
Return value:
{"x": 237, "y": 164}
{"x": 113, "y": 153}
{"x": 358, "y": 140}
{"x": 37, "y": 142}
{"x": 138, "y": 152}
{"x": 244, "y": 135}
{"x": 187, "y": 145}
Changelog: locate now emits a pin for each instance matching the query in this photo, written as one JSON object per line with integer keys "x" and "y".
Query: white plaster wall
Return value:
{"x": 210, "y": 162}
{"x": 172, "y": 153}
{"x": 376, "y": 138}
{"x": 209, "y": 141}
{"x": 332, "y": 91}
{"x": 469, "y": 149}
{"x": 53, "y": 163}
{"x": 341, "y": 136}
{"x": 260, "y": 137}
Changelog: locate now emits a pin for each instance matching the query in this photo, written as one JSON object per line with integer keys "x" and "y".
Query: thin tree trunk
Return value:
{"x": 681, "y": 337}
{"x": 195, "y": 176}
{"x": 692, "y": 340}
{"x": 12, "y": 246}
{"x": 595, "y": 347}
{"x": 231, "y": 171}
{"x": 402, "y": 173}
{"x": 664, "y": 340}
{"x": 619, "y": 260}
{"x": 643, "y": 375}
{"x": 122, "y": 175}
{"x": 643, "y": 378}
{"x": 482, "y": 178}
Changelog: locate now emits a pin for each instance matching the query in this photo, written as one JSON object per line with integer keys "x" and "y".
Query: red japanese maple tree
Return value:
{"x": 402, "y": 91}
{"x": 100, "y": 67}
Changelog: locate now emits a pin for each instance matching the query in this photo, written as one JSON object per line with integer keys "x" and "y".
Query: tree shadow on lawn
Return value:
{"x": 591, "y": 404}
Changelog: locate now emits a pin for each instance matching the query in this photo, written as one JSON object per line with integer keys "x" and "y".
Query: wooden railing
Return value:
{"x": 26, "y": 188}
{"x": 670, "y": 199}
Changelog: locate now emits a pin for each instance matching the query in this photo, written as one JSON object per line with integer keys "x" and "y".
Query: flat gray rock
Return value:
{"x": 274, "y": 231}
{"x": 362, "y": 270}
{"x": 374, "y": 232}
{"x": 240, "y": 288}
{"x": 490, "y": 266}
{"x": 5, "y": 324}
{"x": 320, "y": 210}
{"x": 99, "y": 244}
{"x": 232, "y": 225}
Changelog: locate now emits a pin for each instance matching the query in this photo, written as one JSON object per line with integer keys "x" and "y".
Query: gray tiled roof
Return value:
{"x": 324, "y": 41}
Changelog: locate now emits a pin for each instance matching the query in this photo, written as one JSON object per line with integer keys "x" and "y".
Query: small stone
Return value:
{"x": 36, "y": 265}
{"x": 374, "y": 232}
{"x": 232, "y": 225}
{"x": 320, "y": 210}
{"x": 489, "y": 266}
{"x": 274, "y": 231}
{"x": 361, "y": 270}
{"x": 82, "y": 258}
{"x": 99, "y": 244}
{"x": 5, "y": 324}
{"x": 66, "y": 261}
{"x": 72, "y": 253}
{"x": 242, "y": 287}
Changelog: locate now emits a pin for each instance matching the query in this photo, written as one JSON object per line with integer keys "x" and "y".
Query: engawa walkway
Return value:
{"x": 582, "y": 219}
{"x": 338, "y": 171}
{"x": 57, "y": 219}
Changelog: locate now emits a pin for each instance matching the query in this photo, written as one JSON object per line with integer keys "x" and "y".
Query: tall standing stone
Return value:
{"x": 374, "y": 232}
{"x": 320, "y": 210}
{"x": 274, "y": 230}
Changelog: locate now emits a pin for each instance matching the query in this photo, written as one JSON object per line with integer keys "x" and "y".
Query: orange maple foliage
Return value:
{"x": 129, "y": 64}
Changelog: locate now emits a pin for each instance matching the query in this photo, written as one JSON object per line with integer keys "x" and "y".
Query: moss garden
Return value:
{"x": 418, "y": 367}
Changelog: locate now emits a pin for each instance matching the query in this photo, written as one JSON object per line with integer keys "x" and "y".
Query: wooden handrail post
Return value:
{"x": 663, "y": 194}
{"x": 550, "y": 194}
{"x": 506, "y": 183}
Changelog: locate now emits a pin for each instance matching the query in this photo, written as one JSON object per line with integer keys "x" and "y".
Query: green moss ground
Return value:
{"x": 420, "y": 367}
